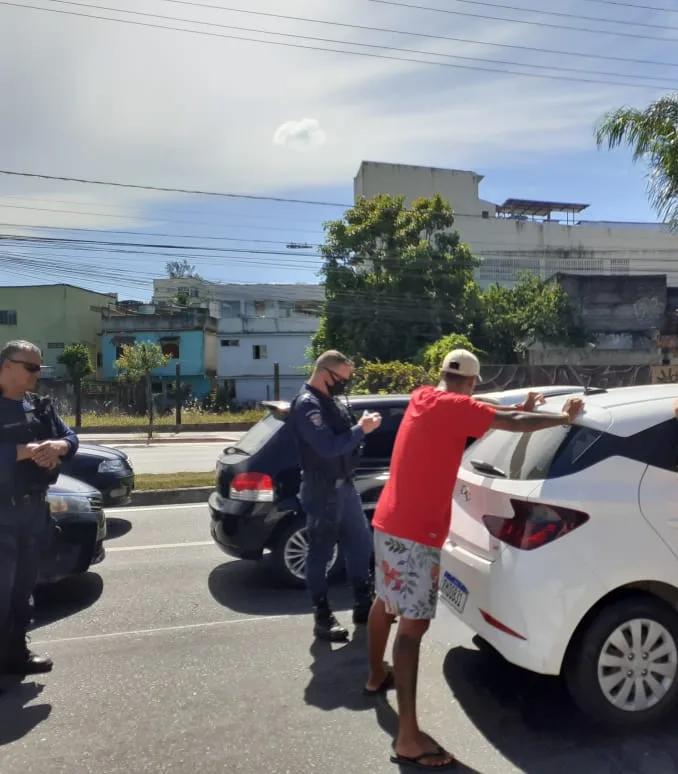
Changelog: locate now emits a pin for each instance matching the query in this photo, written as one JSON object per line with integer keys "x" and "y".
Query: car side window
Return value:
{"x": 379, "y": 444}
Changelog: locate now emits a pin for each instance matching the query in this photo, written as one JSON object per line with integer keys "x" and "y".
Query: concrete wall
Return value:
{"x": 617, "y": 304}
{"x": 54, "y": 316}
{"x": 507, "y": 246}
{"x": 239, "y": 360}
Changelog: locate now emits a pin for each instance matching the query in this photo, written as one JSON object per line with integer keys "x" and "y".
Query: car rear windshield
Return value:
{"x": 259, "y": 434}
{"x": 532, "y": 456}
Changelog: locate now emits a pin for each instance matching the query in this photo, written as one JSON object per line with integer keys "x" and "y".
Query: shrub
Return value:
{"x": 431, "y": 356}
{"x": 394, "y": 377}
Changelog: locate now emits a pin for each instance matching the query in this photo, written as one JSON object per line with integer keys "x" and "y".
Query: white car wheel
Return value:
{"x": 623, "y": 669}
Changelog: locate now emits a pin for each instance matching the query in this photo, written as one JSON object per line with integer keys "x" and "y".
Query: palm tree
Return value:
{"x": 653, "y": 135}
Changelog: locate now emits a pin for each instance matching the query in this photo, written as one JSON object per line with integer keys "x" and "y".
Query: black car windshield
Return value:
{"x": 258, "y": 435}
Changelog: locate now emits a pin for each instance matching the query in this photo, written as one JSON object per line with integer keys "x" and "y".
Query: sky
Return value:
{"x": 239, "y": 98}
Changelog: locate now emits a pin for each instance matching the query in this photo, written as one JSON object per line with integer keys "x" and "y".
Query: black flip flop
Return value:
{"x": 386, "y": 684}
{"x": 415, "y": 763}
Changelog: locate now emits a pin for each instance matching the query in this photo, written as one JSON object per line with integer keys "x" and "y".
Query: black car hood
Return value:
{"x": 68, "y": 485}
{"x": 102, "y": 452}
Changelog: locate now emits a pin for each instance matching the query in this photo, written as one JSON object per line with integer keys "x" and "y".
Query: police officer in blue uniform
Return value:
{"x": 33, "y": 441}
{"x": 329, "y": 441}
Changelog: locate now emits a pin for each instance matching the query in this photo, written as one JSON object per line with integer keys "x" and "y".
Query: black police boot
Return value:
{"x": 363, "y": 595}
{"x": 22, "y": 661}
{"x": 326, "y": 625}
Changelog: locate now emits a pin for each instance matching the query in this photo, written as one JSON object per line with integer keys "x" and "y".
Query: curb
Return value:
{"x": 192, "y": 494}
{"x": 143, "y": 442}
{"x": 207, "y": 427}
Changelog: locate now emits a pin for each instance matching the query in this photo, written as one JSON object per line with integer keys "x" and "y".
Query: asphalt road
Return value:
{"x": 172, "y": 658}
{"x": 175, "y": 457}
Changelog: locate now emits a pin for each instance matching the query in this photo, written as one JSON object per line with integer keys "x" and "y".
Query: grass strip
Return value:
{"x": 173, "y": 480}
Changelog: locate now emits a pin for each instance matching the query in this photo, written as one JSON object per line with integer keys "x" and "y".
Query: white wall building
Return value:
{"x": 259, "y": 325}
{"x": 522, "y": 235}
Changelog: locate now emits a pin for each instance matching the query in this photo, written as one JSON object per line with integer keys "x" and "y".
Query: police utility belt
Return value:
{"x": 319, "y": 477}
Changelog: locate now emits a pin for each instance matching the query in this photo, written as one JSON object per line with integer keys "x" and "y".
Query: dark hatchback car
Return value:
{"x": 77, "y": 508}
{"x": 255, "y": 508}
{"x": 106, "y": 469}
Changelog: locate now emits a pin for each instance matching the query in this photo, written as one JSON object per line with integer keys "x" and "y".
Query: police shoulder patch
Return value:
{"x": 315, "y": 417}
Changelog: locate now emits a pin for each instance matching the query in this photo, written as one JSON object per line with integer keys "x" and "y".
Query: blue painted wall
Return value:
{"x": 191, "y": 357}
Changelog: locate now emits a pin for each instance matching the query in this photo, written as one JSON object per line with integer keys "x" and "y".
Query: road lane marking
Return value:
{"x": 162, "y": 629}
{"x": 152, "y": 547}
{"x": 173, "y": 506}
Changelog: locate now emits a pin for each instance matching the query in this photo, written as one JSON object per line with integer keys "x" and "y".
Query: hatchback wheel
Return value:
{"x": 289, "y": 554}
{"x": 625, "y": 668}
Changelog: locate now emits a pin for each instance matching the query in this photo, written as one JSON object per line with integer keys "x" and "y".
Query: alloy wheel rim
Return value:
{"x": 296, "y": 551}
{"x": 637, "y": 665}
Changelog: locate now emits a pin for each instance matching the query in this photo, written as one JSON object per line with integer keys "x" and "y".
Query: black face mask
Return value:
{"x": 338, "y": 387}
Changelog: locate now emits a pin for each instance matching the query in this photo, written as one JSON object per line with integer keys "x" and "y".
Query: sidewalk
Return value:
{"x": 134, "y": 439}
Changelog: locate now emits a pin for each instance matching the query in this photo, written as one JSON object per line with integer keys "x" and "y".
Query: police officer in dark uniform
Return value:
{"x": 33, "y": 441}
{"x": 329, "y": 441}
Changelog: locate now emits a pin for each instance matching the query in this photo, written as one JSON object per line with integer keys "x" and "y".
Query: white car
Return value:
{"x": 563, "y": 551}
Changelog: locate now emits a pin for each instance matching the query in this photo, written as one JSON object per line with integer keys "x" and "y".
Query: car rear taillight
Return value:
{"x": 534, "y": 524}
{"x": 252, "y": 487}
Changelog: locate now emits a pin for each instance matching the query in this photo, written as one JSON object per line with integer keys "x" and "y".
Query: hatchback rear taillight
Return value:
{"x": 534, "y": 524}
{"x": 252, "y": 487}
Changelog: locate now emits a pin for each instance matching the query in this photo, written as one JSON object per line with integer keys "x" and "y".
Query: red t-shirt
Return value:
{"x": 416, "y": 503}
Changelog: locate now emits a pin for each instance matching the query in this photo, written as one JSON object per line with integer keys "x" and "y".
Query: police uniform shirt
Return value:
{"x": 330, "y": 439}
{"x": 17, "y": 412}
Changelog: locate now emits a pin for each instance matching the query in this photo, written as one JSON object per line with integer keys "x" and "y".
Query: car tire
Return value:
{"x": 609, "y": 692}
{"x": 288, "y": 564}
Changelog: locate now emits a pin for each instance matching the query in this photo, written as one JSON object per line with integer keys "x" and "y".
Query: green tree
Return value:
{"x": 78, "y": 363}
{"x": 653, "y": 136}
{"x": 396, "y": 278}
{"x": 531, "y": 311}
{"x": 432, "y": 355}
{"x": 181, "y": 270}
{"x": 136, "y": 364}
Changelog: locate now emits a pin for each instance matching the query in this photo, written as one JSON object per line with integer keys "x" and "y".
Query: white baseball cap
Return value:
{"x": 463, "y": 363}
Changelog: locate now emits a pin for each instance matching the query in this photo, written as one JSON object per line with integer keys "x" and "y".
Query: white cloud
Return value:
{"x": 124, "y": 102}
{"x": 302, "y": 135}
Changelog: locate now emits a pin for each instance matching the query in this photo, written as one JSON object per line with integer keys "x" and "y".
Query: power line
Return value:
{"x": 353, "y": 43}
{"x": 220, "y": 223}
{"x": 427, "y": 35}
{"x": 166, "y": 189}
{"x": 531, "y": 22}
{"x": 363, "y": 54}
{"x": 146, "y": 234}
{"x": 562, "y": 14}
{"x": 635, "y": 5}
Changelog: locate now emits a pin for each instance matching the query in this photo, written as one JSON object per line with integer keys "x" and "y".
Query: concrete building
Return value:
{"x": 626, "y": 319}
{"x": 54, "y": 316}
{"x": 188, "y": 336}
{"x": 258, "y": 325}
{"x": 521, "y": 235}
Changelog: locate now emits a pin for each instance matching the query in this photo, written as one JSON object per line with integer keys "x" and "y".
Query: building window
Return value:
{"x": 260, "y": 308}
{"x": 195, "y": 292}
{"x": 230, "y": 343}
{"x": 171, "y": 349}
{"x": 7, "y": 317}
{"x": 230, "y": 308}
{"x": 55, "y": 345}
{"x": 259, "y": 352}
{"x": 100, "y": 360}
{"x": 118, "y": 351}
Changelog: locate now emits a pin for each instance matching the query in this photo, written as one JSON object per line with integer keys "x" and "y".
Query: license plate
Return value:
{"x": 453, "y": 592}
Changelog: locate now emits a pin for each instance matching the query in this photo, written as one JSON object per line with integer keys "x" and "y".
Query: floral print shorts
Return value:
{"x": 406, "y": 576}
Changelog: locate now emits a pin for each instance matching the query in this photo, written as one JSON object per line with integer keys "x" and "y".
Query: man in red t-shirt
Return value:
{"x": 412, "y": 521}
